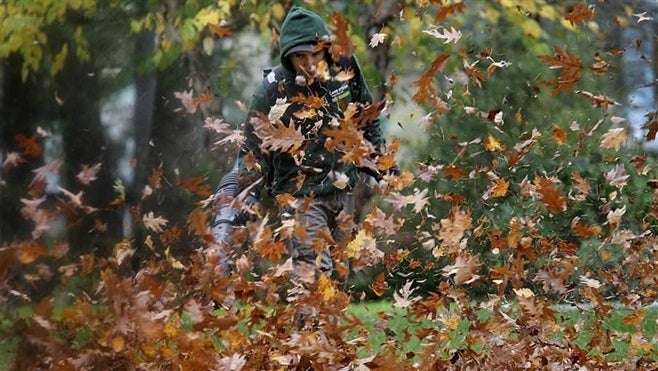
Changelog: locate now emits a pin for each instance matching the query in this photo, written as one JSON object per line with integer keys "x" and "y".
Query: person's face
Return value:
{"x": 305, "y": 63}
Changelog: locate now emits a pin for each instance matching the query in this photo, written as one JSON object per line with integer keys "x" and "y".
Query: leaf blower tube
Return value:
{"x": 225, "y": 219}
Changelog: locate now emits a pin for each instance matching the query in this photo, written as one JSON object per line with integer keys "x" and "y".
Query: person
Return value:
{"x": 311, "y": 130}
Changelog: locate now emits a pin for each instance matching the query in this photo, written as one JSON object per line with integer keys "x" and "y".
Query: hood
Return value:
{"x": 300, "y": 27}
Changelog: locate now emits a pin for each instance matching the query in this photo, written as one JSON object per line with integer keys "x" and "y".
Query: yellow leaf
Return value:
{"x": 531, "y": 28}
{"x": 326, "y": 288}
{"x": 492, "y": 144}
{"x": 499, "y": 188}
{"x": 452, "y": 323}
{"x": 360, "y": 242}
{"x": 170, "y": 330}
{"x": 60, "y": 58}
{"x": 205, "y": 17}
{"x": 118, "y": 343}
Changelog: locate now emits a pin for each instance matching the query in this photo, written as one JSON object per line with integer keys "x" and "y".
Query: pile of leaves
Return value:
{"x": 507, "y": 293}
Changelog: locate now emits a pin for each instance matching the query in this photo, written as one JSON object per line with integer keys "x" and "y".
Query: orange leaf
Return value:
{"x": 196, "y": 185}
{"x": 551, "y": 197}
{"x": 198, "y": 221}
{"x": 426, "y": 84}
{"x": 379, "y": 285}
{"x": 205, "y": 98}
{"x": 559, "y": 135}
{"x": 154, "y": 179}
{"x": 219, "y": 30}
{"x": 499, "y": 188}
{"x": 341, "y": 44}
{"x": 87, "y": 263}
{"x": 286, "y": 200}
{"x": 580, "y": 14}
{"x": 447, "y": 10}
{"x": 570, "y": 66}
{"x": 454, "y": 172}
{"x": 277, "y": 136}
{"x": 30, "y": 145}
{"x": 29, "y": 251}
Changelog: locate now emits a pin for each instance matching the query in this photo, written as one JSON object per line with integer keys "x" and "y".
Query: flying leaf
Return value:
{"x": 570, "y": 66}
{"x": 580, "y": 14}
{"x": 196, "y": 185}
{"x": 379, "y": 285}
{"x": 88, "y": 173}
{"x": 13, "y": 160}
{"x": 362, "y": 241}
{"x": 187, "y": 100}
{"x": 642, "y": 17}
{"x": 326, "y": 288}
{"x": 74, "y": 199}
{"x": 278, "y": 109}
{"x": 30, "y": 145}
{"x": 219, "y": 29}
{"x": 402, "y": 298}
{"x": 464, "y": 270}
{"x": 614, "y": 138}
{"x": 452, "y": 36}
{"x": 454, "y": 227}
{"x": 341, "y": 44}
{"x": 559, "y": 135}
{"x": 447, "y": 10}
{"x": 614, "y": 216}
{"x": 492, "y": 144}
{"x": 198, "y": 221}
{"x": 154, "y": 223}
{"x": 50, "y": 168}
{"x": 377, "y": 39}
{"x": 426, "y": 84}
{"x": 551, "y": 196}
{"x": 651, "y": 125}
{"x": 419, "y": 199}
{"x": 341, "y": 180}
{"x": 617, "y": 177}
{"x": 598, "y": 100}
{"x": 28, "y": 252}
{"x": 277, "y": 136}
{"x": 497, "y": 188}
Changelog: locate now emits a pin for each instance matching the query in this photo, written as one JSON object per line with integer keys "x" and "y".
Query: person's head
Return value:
{"x": 303, "y": 41}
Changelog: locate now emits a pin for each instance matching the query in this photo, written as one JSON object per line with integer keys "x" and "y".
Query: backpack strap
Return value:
{"x": 272, "y": 82}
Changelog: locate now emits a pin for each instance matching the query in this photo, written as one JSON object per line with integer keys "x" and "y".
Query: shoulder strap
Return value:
{"x": 272, "y": 82}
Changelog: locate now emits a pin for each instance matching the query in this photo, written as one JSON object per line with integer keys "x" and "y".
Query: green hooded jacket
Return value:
{"x": 311, "y": 169}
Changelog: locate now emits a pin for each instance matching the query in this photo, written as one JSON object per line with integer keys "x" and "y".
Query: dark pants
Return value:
{"x": 311, "y": 245}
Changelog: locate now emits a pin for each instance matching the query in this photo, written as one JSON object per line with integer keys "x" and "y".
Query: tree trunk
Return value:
{"x": 21, "y": 111}
{"x": 84, "y": 143}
